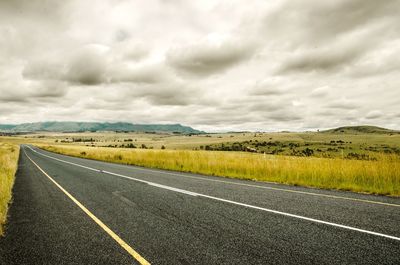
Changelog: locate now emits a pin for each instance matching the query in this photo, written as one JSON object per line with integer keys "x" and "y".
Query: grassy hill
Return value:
{"x": 361, "y": 130}
{"x": 96, "y": 127}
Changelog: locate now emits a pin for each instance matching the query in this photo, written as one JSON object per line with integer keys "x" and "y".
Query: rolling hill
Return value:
{"x": 360, "y": 129}
{"x": 96, "y": 126}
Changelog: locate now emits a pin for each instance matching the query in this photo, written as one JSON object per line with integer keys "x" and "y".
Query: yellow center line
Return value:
{"x": 121, "y": 242}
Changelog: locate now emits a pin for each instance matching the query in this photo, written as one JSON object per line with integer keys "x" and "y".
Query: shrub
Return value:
{"x": 308, "y": 152}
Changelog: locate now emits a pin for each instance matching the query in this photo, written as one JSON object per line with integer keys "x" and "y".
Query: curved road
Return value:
{"x": 69, "y": 210}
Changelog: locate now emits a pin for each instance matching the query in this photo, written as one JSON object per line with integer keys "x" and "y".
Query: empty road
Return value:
{"x": 69, "y": 210}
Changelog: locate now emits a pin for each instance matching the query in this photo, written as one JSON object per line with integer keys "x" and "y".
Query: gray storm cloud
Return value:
{"x": 215, "y": 65}
{"x": 207, "y": 58}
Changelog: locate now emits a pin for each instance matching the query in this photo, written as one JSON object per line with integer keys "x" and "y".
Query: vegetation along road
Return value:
{"x": 69, "y": 210}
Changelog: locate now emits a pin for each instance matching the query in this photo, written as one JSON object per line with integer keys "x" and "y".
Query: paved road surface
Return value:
{"x": 75, "y": 211}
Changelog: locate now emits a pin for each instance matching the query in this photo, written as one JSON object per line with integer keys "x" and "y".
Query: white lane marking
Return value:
{"x": 303, "y": 218}
{"x": 174, "y": 189}
{"x": 119, "y": 175}
{"x": 78, "y": 165}
{"x": 152, "y": 183}
{"x": 267, "y": 188}
{"x": 241, "y": 184}
{"x": 111, "y": 233}
{"x": 250, "y": 206}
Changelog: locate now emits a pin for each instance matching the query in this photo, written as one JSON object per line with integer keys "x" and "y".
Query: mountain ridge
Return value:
{"x": 72, "y": 126}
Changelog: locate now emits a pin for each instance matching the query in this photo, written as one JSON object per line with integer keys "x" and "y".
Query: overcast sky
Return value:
{"x": 213, "y": 65}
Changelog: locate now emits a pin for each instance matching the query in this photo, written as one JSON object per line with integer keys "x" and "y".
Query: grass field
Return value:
{"x": 380, "y": 176}
{"x": 361, "y": 146}
{"x": 359, "y": 161}
{"x": 8, "y": 165}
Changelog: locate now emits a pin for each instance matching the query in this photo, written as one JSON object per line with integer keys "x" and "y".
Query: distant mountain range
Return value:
{"x": 361, "y": 129}
{"x": 96, "y": 126}
{"x": 71, "y": 126}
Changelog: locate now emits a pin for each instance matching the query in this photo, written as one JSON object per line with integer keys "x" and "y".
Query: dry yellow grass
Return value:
{"x": 8, "y": 165}
{"x": 377, "y": 177}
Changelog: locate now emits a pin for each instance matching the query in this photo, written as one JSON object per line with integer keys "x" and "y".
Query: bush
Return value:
{"x": 359, "y": 156}
{"x": 308, "y": 152}
{"x": 130, "y": 145}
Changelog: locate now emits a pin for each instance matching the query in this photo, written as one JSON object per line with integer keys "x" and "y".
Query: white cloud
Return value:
{"x": 374, "y": 114}
{"x": 211, "y": 55}
{"x": 320, "y": 91}
{"x": 266, "y": 65}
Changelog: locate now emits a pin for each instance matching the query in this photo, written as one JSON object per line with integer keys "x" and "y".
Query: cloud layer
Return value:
{"x": 214, "y": 65}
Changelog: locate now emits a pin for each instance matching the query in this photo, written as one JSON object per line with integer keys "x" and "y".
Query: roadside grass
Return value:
{"x": 9, "y": 154}
{"x": 376, "y": 177}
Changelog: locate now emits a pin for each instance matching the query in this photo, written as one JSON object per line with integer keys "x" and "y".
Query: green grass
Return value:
{"x": 361, "y": 129}
{"x": 376, "y": 177}
{"x": 8, "y": 165}
{"x": 364, "y": 146}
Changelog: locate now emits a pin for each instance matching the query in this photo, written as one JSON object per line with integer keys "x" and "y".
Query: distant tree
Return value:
{"x": 162, "y": 147}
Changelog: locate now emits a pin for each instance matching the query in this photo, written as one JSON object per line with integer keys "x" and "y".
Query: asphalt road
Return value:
{"x": 75, "y": 211}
